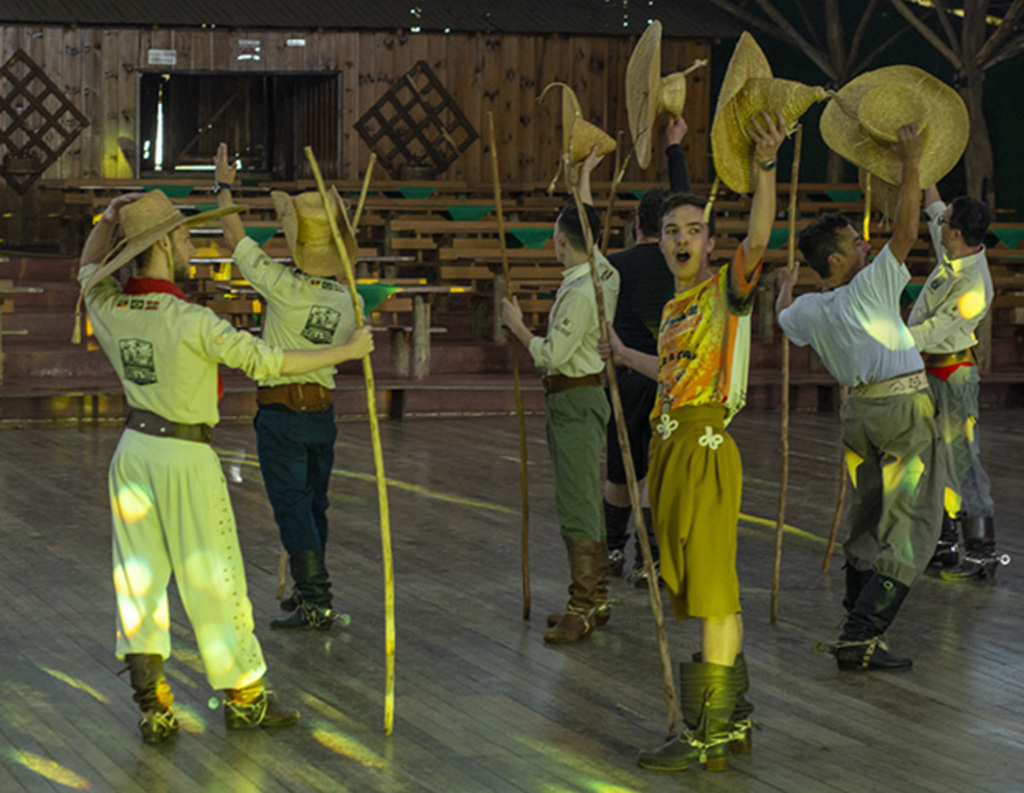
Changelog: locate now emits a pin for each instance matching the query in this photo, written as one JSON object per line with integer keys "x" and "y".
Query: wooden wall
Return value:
{"x": 501, "y": 73}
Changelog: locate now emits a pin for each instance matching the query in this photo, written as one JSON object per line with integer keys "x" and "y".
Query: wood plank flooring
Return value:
{"x": 482, "y": 704}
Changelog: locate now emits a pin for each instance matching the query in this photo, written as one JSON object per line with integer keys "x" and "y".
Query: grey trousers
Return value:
{"x": 956, "y": 402}
{"x": 897, "y": 470}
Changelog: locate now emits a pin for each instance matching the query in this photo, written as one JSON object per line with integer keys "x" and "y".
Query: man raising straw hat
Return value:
{"x": 171, "y": 509}
{"x": 295, "y": 430}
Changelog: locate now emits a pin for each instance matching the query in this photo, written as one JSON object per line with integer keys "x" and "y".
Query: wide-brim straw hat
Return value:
{"x": 145, "y": 221}
{"x": 648, "y": 94}
{"x": 579, "y": 136}
{"x": 861, "y": 123}
{"x": 748, "y": 88}
{"x": 308, "y": 232}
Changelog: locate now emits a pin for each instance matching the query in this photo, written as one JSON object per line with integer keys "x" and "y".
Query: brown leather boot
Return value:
{"x": 587, "y": 560}
{"x": 603, "y": 603}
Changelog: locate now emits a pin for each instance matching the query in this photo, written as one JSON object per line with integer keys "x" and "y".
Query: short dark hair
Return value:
{"x": 568, "y": 223}
{"x": 673, "y": 200}
{"x": 820, "y": 239}
{"x": 971, "y": 218}
{"x": 648, "y": 211}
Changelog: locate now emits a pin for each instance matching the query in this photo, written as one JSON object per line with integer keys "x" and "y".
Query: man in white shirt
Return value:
{"x": 943, "y": 321}
{"x": 889, "y": 429}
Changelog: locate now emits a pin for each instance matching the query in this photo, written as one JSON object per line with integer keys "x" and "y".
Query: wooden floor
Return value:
{"x": 482, "y": 704}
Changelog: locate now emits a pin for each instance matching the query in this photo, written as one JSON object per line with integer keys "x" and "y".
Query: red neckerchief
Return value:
{"x": 943, "y": 372}
{"x": 146, "y": 286}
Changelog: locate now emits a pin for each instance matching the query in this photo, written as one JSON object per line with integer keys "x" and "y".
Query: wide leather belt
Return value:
{"x": 555, "y": 383}
{"x": 904, "y": 384}
{"x": 296, "y": 397}
{"x": 151, "y": 423}
{"x": 938, "y": 360}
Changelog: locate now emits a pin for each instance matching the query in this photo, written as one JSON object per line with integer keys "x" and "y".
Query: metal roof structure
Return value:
{"x": 680, "y": 18}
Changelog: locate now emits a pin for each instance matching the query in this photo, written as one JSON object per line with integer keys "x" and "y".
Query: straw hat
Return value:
{"x": 648, "y": 94}
{"x": 748, "y": 88}
{"x": 578, "y": 135}
{"x": 308, "y": 232}
{"x": 145, "y": 221}
{"x": 861, "y": 124}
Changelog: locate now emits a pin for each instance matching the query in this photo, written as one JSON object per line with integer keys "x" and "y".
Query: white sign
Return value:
{"x": 163, "y": 57}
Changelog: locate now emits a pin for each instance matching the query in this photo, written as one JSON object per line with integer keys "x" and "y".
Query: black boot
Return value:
{"x": 861, "y": 646}
{"x": 855, "y": 581}
{"x": 292, "y": 602}
{"x": 616, "y": 525}
{"x": 314, "y": 587}
{"x": 153, "y": 696}
{"x": 254, "y": 706}
{"x": 639, "y": 575}
{"x": 980, "y": 560}
{"x": 947, "y": 550}
{"x": 708, "y": 698}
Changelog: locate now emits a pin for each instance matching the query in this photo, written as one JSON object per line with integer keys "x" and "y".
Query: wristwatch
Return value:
{"x": 767, "y": 165}
{"x": 218, "y": 186}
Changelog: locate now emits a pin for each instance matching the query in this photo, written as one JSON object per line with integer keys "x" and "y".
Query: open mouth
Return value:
{"x": 682, "y": 257}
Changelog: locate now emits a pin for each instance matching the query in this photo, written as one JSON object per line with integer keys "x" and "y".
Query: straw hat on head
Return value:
{"x": 648, "y": 94}
{"x": 308, "y": 232}
{"x": 861, "y": 124}
{"x": 579, "y": 136}
{"x": 747, "y": 89}
{"x": 145, "y": 221}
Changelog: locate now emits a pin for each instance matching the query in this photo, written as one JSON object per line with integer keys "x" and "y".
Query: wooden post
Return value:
{"x": 780, "y": 520}
{"x": 378, "y": 459}
{"x": 506, "y": 286}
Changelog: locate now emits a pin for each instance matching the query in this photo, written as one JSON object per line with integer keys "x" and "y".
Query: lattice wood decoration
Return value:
{"x": 37, "y": 122}
{"x": 416, "y": 123}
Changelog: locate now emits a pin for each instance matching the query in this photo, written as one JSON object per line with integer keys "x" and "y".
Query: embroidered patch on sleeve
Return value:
{"x": 321, "y": 324}
{"x": 565, "y": 326}
{"x": 138, "y": 361}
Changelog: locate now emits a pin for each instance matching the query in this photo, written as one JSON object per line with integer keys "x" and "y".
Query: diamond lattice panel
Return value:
{"x": 37, "y": 122}
{"x": 416, "y": 123}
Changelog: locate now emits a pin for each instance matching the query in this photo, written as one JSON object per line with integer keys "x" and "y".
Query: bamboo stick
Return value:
{"x": 378, "y": 459}
{"x": 363, "y": 192}
{"x": 520, "y": 412}
{"x": 780, "y": 520}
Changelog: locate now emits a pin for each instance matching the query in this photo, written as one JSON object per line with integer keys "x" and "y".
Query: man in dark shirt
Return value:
{"x": 646, "y": 285}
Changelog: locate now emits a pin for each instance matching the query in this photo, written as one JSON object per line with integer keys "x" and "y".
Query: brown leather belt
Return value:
{"x": 940, "y": 359}
{"x": 151, "y": 423}
{"x": 296, "y": 397}
{"x": 555, "y": 383}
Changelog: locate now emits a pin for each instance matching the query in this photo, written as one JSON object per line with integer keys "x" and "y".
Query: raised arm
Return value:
{"x": 586, "y": 168}
{"x": 224, "y": 174}
{"x": 908, "y": 206}
{"x": 678, "y": 174}
{"x": 767, "y": 132}
{"x": 98, "y": 242}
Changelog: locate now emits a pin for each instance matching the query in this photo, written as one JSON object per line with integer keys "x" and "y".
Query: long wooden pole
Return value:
{"x": 627, "y": 459}
{"x": 524, "y": 490}
{"x": 780, "y": 520}
{"x": 378, "y": 459}
{"x": 617, "y": 173}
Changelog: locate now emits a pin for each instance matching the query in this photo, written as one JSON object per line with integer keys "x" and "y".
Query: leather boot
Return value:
{"x": 861, "y": 646}
{"x": 980, "y": 560}
{"x": 616, "y": 525}
{"x": 602, "y": 601}
{"x": 153, "y": 696}
{"x": 855, "y": 581}
{"x": 586, "y": 561}
{"x": 638, "y": 577}
{"x": 947, "y": 550}
{"x": 314, "y": 589}
{"x": 708, "y": 699}
{"x": 254, "y": 706}
{"x": 742, "y": 741}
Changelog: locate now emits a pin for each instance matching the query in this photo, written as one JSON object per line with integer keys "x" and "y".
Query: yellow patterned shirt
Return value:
{"x": 704, "y": 343}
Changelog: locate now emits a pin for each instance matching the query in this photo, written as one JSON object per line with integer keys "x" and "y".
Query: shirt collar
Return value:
{"x": 965, "y": 262}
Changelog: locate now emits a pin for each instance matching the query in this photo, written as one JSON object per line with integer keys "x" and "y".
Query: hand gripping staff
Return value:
{"x": 378, "y": 459}
{"x": 523, "y": 486}
{"x": 627, "y": 459}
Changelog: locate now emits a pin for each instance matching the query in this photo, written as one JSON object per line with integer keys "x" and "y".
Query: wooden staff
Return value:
{"x": 617, "y": 173}
{"x": 378, "y": 459}
{"x": 523, "y": 485}
{"x": 627, "y": 459}
{"x": 794, "y": 183}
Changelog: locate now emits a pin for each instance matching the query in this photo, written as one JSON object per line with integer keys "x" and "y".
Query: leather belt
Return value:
{"x": 555, "y": 383}
{"x": 151, "y": 423}
{"x": 894, "y": 386}
{"x": 938, "y": 360}
{"x": 296, "y": 397}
